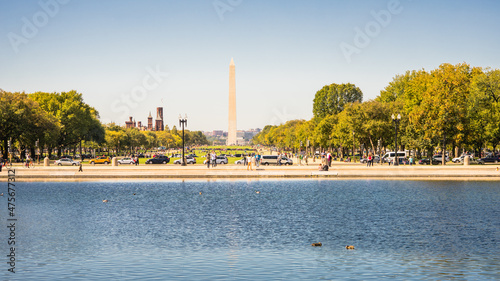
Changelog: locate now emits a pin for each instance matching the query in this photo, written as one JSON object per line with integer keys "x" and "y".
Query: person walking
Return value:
{"x": 254, "y": 161}
{"x": 80, "y": 168}
{"x": 249, "y": 162}
{"x": 257, "y": 161}
{"x": 208, "y": 160}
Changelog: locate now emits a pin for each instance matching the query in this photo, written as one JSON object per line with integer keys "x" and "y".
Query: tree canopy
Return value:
{"x": 450, "y": 106}
{"x": 331, "y": 99}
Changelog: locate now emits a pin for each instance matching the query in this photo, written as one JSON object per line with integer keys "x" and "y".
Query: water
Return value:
{"x": 168, "y": 231}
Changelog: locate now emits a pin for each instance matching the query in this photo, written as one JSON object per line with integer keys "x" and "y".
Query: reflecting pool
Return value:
{"x": 254, "y": 230}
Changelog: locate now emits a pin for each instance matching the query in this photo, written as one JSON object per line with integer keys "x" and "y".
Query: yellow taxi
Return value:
{"x": 100, "y": 160}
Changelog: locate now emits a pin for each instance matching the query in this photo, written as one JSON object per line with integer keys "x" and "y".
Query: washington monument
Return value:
{"x": 231, "y": 132}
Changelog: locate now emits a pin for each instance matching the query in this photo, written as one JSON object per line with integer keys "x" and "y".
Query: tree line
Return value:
{"x": 451, "y": 107}
{"x": 58, "y": 121}
{"x": 121, "y": 139}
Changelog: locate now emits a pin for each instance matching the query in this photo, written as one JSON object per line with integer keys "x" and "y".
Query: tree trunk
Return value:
{"x": 5, "y": 149}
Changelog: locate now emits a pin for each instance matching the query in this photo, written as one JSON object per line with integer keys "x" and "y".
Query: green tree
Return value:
{"x": 22, "y": 121}
{"x": 78, "y": 121}
{"x": 484, "y": 109}
{"x": 331, "y": 99}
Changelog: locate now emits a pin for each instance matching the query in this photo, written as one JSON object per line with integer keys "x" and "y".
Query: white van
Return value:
{"x": 273, "y": 159}
{"x": 389, "y": 156}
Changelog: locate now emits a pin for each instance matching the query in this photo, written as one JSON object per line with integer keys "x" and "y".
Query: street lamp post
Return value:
{"x": 396, "y": 120}
{"x": 182, "y": 123}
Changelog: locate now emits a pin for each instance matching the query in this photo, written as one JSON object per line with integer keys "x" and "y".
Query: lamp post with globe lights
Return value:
{"x": 182, "y": 123}
{"x": 396, "y": 120}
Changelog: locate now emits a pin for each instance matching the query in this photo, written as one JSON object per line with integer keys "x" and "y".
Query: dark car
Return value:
{"x": 490, "y": 159}
{"x": 158, "y": 160}
{"x": 427, "y": 161}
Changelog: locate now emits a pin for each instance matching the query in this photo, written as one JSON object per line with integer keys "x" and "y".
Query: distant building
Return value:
{"x": 129, "y": 123}
{"x": 158, "y": 125}
{"x": 159, "y": 119}
{"x": 217, "y": 133}
{"x": 150, "y": 122}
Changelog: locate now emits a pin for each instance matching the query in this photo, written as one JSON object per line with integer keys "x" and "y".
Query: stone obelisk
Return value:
{"x": 231, "y": 133}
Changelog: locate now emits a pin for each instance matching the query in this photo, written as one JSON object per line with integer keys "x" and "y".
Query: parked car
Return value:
{"x": 376, "y": 159}
{"x": 273, "y": 159}
{"x": 428, "y": 161}
{"x": 126, "y": 160}
{"x": 189, "y": 160}
{"x": 192, "y": 155}
{"x": 240, "y": 162}
{"x": 219, "y": 160}
{"x": 161, "y": 159}
{"x": 67, "y": 162}
{"x": 460, "y": 159}
{"x": 100, "y": 160}
{"x": 439, "y": 158}
{"x": 490, "y": 159}
{"x": 476, "y": 161}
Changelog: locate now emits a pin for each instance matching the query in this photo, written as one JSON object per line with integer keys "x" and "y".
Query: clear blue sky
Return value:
{"x": 118, "y": 53}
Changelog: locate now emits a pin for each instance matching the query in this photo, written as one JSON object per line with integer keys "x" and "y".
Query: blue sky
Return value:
{"x": 128, "y": 57}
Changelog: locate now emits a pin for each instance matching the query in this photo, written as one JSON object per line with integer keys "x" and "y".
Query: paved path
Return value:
{"x": 337, "y": 171}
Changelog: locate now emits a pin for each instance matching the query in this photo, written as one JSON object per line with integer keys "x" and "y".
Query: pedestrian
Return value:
{"x": 257, "y": 161}
{"x": 254, "y": 161}
{"x": 208, "y": 160}
{"x": 249, "y": 162}
{"x": 214, "y": 158}
{"x": 368, "y": 160}
{"x": 411, "y": 160}
{"x": 306, "y": 160}
{"x": 80, "y": 169}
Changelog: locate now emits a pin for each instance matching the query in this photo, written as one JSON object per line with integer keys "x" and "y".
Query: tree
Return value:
{"x": 22, "y": 120}
{"x": 442, "y": 114}
{"x": 331, "y": 99}
{"x": 323, "y": 132}
{"x": 116, "y": 139}
{"x": 135, "y": 138}
{"x": 484, "y": 109}
{"x": 78, "y": 121}
{"x": 397, "y": 88}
